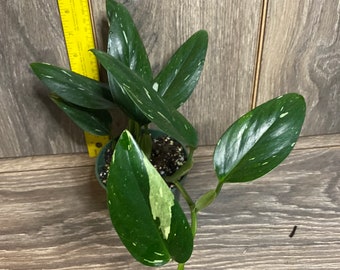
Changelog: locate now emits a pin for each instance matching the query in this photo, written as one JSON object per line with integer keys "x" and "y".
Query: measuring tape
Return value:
{"x": 77, "y": 24}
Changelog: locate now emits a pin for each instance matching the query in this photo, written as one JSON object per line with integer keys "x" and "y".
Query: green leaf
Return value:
{"x": 181, "y": 74}
{"x": 260, "y": 140}
{"x": 136, "y": 196}
{"x": 167, "y": 118}
{"x": 73, "y": 87}
{"x": 125, "y": 44}
{"x": 205, "y": 200}
{"x": 160, "y": 197}
{"x": 97, "y": 122}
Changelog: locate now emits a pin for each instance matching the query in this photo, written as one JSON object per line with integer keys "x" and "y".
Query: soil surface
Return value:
{"x": 167, "y": 157}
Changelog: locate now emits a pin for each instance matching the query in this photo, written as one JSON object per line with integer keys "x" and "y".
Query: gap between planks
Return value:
{"x": 258, "y": 60}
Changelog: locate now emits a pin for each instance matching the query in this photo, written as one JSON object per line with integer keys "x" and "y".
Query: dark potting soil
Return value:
{"x": 167, "y": 157}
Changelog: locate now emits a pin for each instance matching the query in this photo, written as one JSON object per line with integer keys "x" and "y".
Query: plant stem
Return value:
{"x": 218, "y": 188}
{"x": 183, "y": 170}
{"x": 193, "y": 213}
{"x": 191, "y": 205}
{"x": 185, "y": 194}
{"x": 180, "y": 266}
{"x": 186, "y": 168}
{"x": 191, "y": 153}
{"x": 193, "y": 221}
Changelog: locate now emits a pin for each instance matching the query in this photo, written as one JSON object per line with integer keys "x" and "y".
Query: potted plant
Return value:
{"x": 144, "y": 212}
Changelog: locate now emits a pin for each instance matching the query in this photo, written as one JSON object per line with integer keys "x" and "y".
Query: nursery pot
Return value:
{"x": 102, "y": 158}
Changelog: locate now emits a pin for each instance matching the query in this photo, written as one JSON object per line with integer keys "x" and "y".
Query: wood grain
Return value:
{"x": 55, "y": 217}
{"x": 301, "y": 54}
{"x": 29, "y": 123}
{"x": 224, "y": 90}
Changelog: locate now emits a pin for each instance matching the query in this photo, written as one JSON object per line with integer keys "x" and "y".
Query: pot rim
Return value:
{"x": 155, "y": 133}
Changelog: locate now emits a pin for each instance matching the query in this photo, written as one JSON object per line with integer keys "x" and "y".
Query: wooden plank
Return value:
{"x": 322, "y": 141}
{"x": 249, "y": 228}
{"x": 56, "y": 218}
{"x": 224, "y": 91}
{"x": 301, "y": 54}
{"x": 35, "y": 163}
{"x": 308, "y": 142}
{"x": 32, "y": 32}
{"x": 29, "y": 123}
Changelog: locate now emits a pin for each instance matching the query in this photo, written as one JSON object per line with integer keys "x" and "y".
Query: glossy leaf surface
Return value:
{"x": 136, "y": 195}
{"x": 125, "y": 44}
{"x": 97, "y": 122}
{"x": 167, "y": 118}
{"x": 260, "y": 140}
{"x": 73, "y": 87}
{"x": 180, "y": 76}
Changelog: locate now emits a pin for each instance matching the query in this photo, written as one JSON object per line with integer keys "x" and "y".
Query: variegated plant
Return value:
{"x": 143, "y": 210}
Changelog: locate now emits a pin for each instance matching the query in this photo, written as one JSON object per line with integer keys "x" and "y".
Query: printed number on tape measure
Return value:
{"x": 78, "y": 32}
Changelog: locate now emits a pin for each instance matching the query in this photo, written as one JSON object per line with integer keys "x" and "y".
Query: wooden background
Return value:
{"x": 53, "y": 213}
{"x": 301, "y": 54}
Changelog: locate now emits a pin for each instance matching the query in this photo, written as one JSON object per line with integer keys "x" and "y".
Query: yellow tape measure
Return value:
{"x": 76, "y": 20}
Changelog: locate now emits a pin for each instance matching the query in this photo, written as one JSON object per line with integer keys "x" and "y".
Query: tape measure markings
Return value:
{"x": 77, "y": 25}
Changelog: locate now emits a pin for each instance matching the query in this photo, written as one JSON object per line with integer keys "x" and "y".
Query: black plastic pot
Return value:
{"x": 100, "y": 160}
